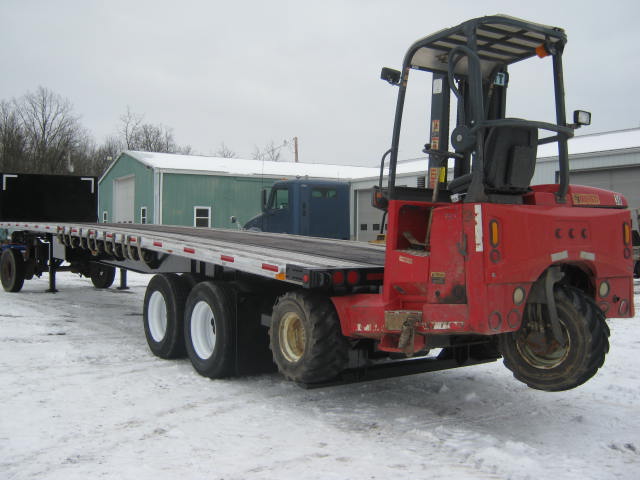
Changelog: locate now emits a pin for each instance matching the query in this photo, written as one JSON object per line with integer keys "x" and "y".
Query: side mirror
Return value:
{"x": 263, "y": 201}
{"x": 233, "y": 219}
{"x": 390, "y": 75}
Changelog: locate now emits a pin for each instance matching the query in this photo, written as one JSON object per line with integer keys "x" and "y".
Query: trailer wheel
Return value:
{"x": 209, "y": 329}
{"x": 306, "y": 341}
{"x": 12, "y": 270}
{"x": 192, "y": 279}
{"x": 163, "y": 315}
{"x": 102, "y": 276}
{"x": 538, "y": 360}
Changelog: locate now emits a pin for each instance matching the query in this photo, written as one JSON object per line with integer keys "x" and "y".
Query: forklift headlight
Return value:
{"x": 581, "y": 117}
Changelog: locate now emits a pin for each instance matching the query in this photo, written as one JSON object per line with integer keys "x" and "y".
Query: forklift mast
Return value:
{"x": 471, "y": 60}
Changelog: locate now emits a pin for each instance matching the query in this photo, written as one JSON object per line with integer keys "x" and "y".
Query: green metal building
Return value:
{"x": 161, "y": 188}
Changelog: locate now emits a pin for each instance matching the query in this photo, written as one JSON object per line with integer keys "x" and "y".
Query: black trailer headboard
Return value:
{"x": 57, "y": 198}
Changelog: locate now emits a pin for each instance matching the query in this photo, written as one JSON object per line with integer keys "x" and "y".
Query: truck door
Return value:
{"x": 277, "y": 217}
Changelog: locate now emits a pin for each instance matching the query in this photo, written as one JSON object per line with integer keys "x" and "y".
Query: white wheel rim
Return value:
{"x": 157, "y": 316}
{"x": 203, "y": 330}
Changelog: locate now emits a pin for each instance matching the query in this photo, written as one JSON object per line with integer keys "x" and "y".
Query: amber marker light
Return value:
{"x": 494, "y": 233}
{"x": 626, "y": 233}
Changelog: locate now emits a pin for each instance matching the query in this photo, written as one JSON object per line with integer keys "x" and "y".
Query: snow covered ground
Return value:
{"x": 81, "y": 397}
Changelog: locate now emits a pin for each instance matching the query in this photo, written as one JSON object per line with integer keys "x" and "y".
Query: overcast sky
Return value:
{"x": 249, "y": 72}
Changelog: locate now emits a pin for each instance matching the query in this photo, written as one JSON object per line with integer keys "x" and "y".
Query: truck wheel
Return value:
{"x": 102, "y": 276}
{"x": 12, "y": 270}
{"x": 305, "y": 338}
{"x": 209, "y": 329}
{"x": 163, "y": 315}
{"x": 538, "y": 360}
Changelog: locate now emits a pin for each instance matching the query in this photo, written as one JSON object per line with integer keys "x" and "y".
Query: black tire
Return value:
{"x": 102, "y": 276}
{"x": 536, "y": 359}
{"x": 163, "y": 315}
{"x": 192, "y": 279}
{"x": 305, "y": 338}
{"x": 210, "y": 329}
{"x": 12, "y": 270}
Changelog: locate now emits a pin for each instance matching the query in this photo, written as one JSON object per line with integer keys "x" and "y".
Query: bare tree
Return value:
{"x": 135, "y": 134}
{"x": 13, "y": 144}
{"x": 270, "y": 152}
{"x": 225, "y": 152}
{"x": 129, "y": 126}
{"x": 52, "y": 130}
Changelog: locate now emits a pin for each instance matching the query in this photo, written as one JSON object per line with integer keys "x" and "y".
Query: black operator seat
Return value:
{"x": 509, "y": 162}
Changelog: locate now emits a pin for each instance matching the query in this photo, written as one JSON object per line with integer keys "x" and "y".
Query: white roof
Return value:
{"x": 169, "y": 162}
{"x": 595, "y": 142}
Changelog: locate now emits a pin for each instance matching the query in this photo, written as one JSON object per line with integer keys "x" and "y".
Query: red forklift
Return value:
{"x": 484, "y": 259}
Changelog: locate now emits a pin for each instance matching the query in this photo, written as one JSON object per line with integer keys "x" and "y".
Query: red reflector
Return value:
{"x": 338, "y": 278}
{"x": 353, "y": 277}
{"x": 109, "y": 235}
{"x": 73, "y": 230}
{"x": 375, "y": 276}
{"x": 189, "y": 250}
{"x": 226, "y": 258}
{"x": 133, "y": 239}
{"x": 157, "y": 244}
{"x": 305, "y": 278}
{"x": 271, "y": 268}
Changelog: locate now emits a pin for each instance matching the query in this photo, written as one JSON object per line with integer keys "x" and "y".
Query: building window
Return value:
{"x": 105, "y": 217}
{"x": 202, "y": 217}
{"x": 143, "y": 215}
{"x": 376, "y": 227}
{"x": 363, "y": 227}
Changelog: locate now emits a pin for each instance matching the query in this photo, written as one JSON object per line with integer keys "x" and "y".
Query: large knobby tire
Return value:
{"x": 12, "y": 270}
{"x": 210, "y": 329}
{"x": 163, "y": 315}
{"x": 102, "y": 276}
{"x": 305, "y": 338}
{"x": 538, "y": 360}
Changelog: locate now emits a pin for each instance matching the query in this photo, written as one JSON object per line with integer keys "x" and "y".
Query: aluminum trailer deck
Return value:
{"x": 291, "y": 258}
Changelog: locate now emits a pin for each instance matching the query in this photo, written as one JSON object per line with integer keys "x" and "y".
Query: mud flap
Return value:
{"x": 253, "y": 355}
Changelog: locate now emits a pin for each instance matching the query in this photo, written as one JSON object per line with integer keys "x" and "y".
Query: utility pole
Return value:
{"x": 295, "y": 148}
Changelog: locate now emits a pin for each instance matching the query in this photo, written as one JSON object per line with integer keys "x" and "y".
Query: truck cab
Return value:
{"x": 315, "y": 208}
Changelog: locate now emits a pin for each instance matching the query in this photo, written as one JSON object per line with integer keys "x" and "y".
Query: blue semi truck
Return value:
{"x": 314, "y": 208}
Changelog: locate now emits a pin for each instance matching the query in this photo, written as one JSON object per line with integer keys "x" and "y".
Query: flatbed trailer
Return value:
{"x": 297, "y": 260}
{"x": 248, "y": 261}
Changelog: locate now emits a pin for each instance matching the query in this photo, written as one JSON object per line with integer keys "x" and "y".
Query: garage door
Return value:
{"x": 367, "y": 222}
{"x": 123, "y": 199}
{"x": 625, "y": 180}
